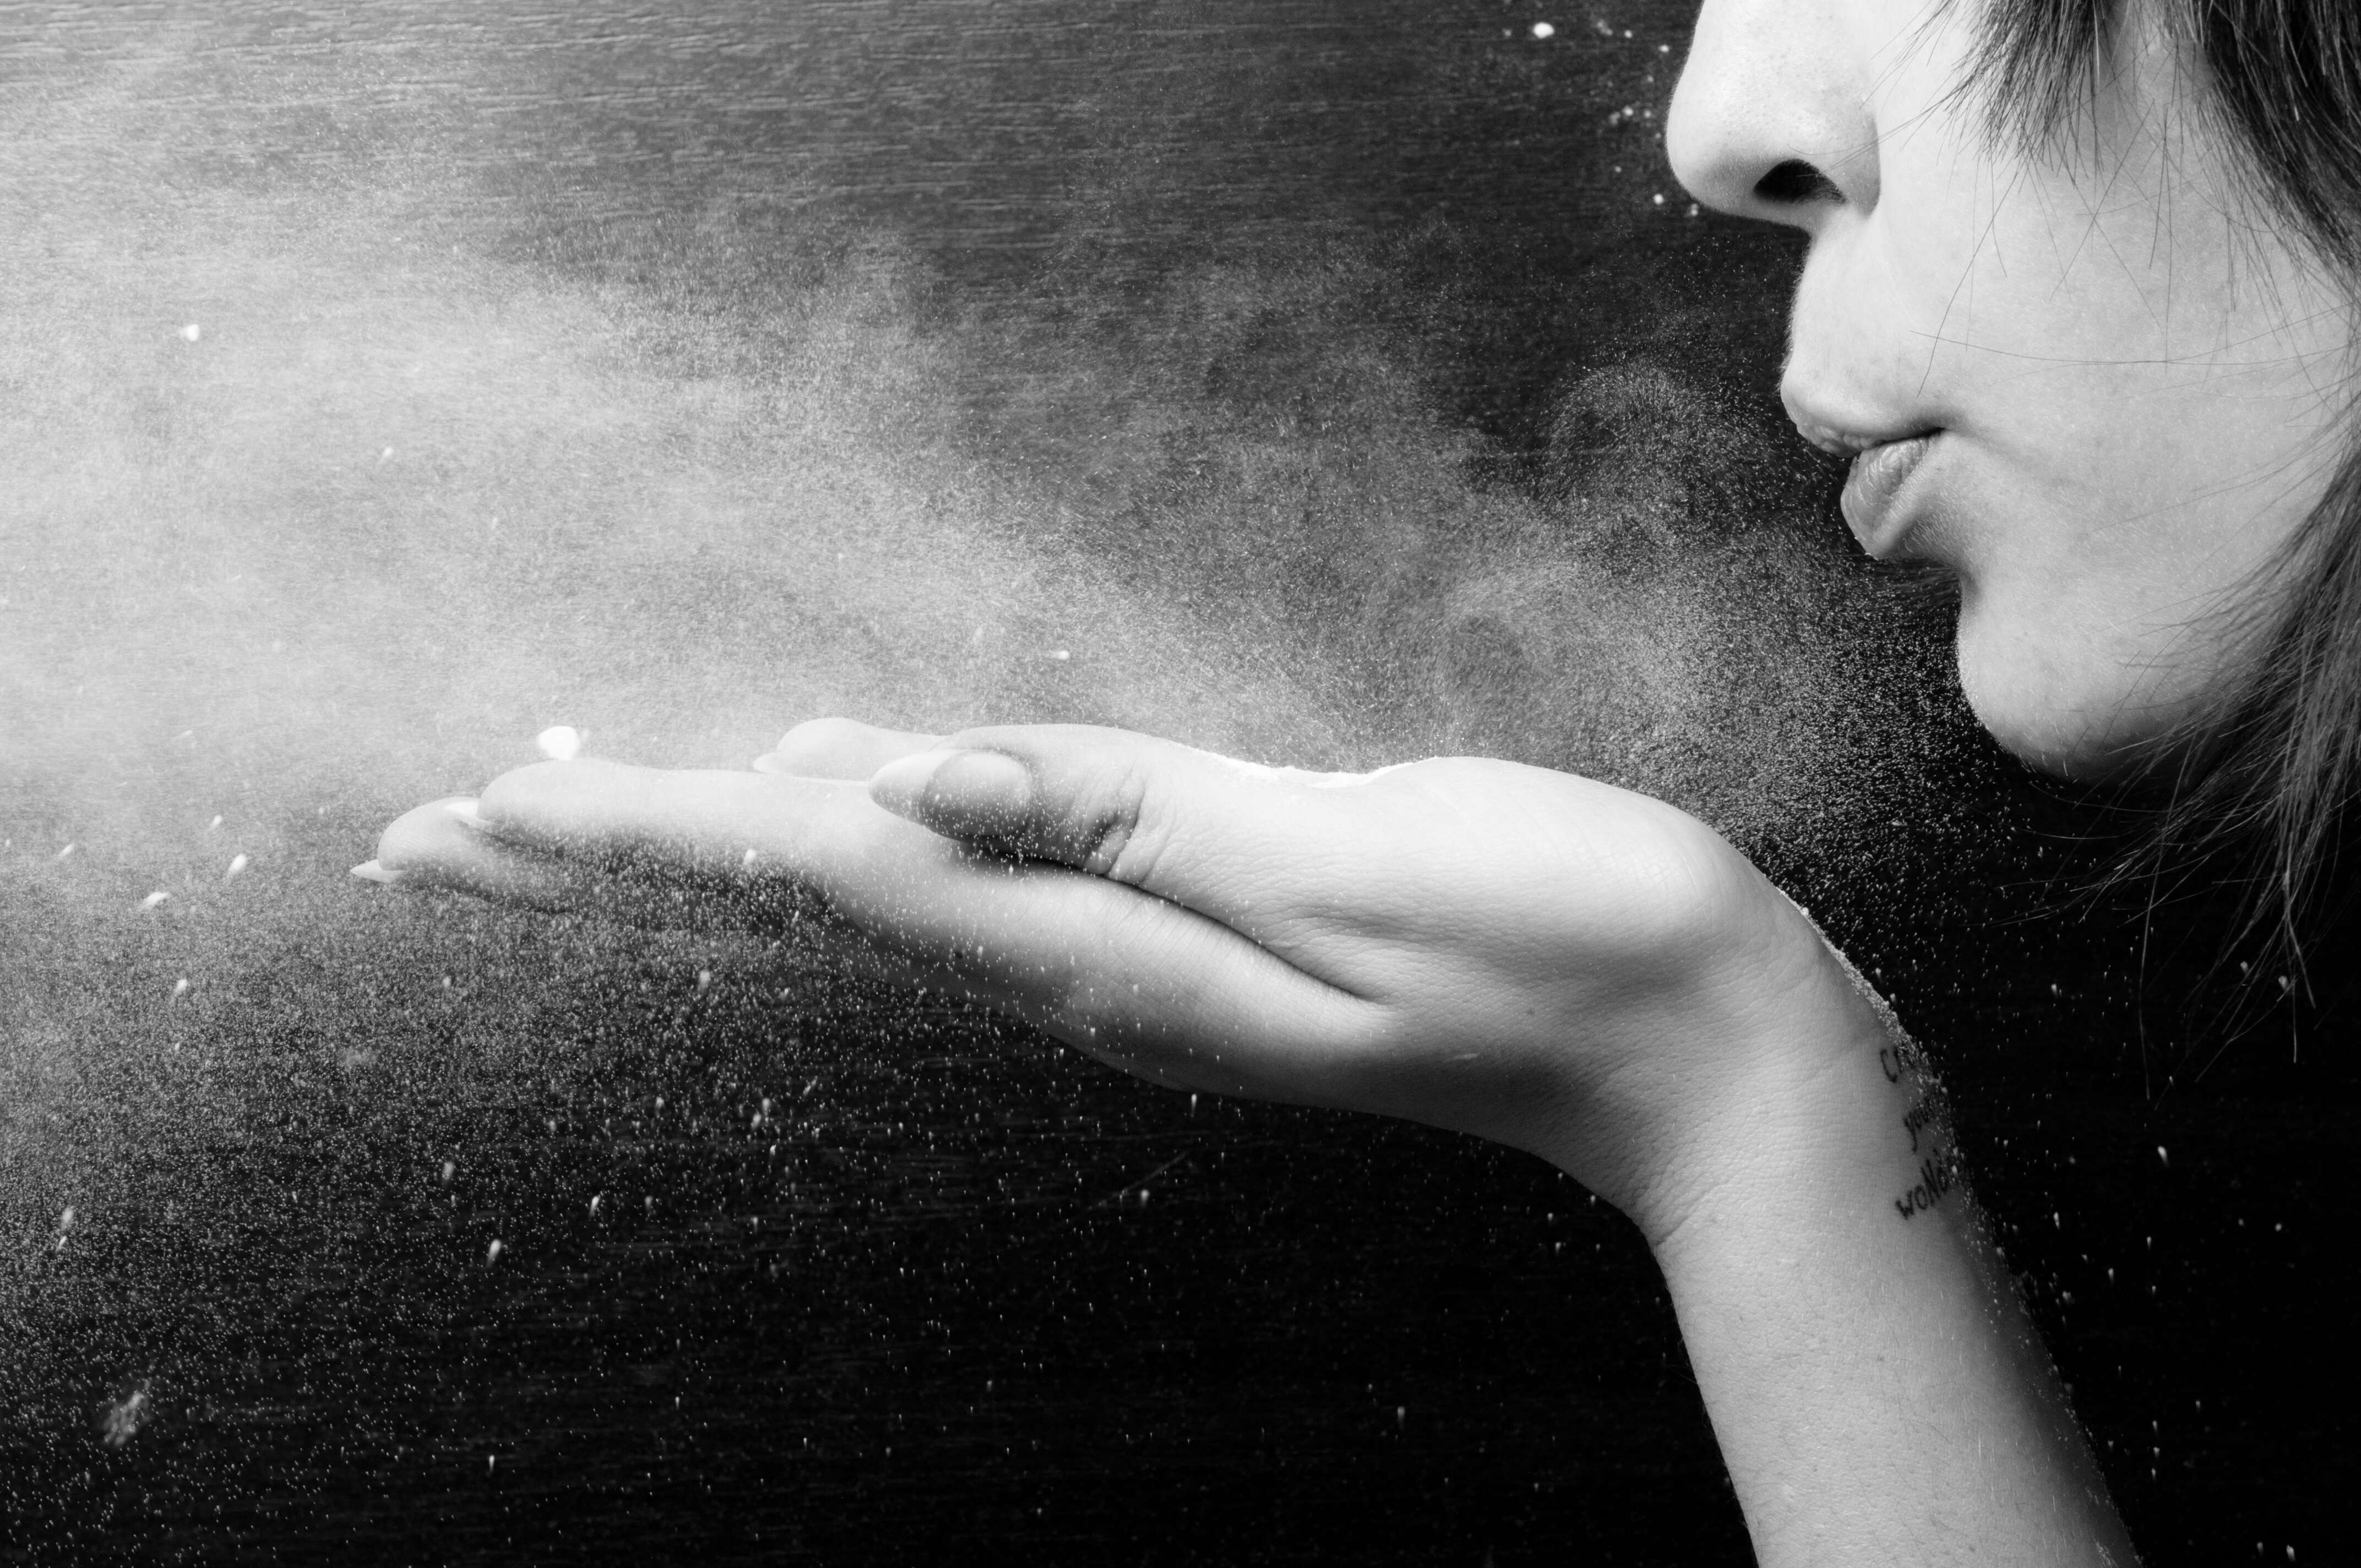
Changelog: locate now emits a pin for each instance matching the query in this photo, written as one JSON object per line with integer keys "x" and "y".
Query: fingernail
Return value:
{"x": 768, "y": 762}
{"x": 470, "y": 813}
{"x": 369, "y": 871}
{"x": 960, "y": 792}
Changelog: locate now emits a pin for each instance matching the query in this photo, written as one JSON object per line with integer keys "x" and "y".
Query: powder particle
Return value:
{"x": 128, "y": 1414}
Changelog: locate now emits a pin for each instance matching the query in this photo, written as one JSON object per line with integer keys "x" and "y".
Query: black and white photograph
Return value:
{"x": 1179, "y": 783}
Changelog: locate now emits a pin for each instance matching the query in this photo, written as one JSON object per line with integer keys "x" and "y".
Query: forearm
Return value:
{"x": 1878, "y": 1392}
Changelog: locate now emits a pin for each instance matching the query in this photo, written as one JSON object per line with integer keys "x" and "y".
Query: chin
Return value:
{"x": 2070, "y": 710}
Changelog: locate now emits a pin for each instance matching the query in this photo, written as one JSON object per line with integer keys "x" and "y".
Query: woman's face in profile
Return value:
{"x": 2134, "y": 381}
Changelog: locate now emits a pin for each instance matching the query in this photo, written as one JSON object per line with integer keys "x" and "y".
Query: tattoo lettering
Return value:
{"x": 1904, "y": 1058}
{"x": 1937, "y": 1174}
{"x": 1926, "y": 1113}
{"x": 1927, "y": 1121}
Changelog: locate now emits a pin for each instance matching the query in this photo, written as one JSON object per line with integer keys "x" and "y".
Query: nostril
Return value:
{"x": 1795, "y": 183}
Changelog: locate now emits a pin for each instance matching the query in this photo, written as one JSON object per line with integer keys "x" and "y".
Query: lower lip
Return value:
{"x": 1877, "y": 477}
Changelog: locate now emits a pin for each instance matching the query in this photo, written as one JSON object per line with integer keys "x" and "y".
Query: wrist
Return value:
{"x": 1842, "y": 1129}
{"x": 1791, "y": 1083}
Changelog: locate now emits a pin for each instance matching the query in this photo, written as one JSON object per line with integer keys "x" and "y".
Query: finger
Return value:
{"x": 434, "y": 846}
{"x": 1133, "y": 977}
{"x": 839, "y": 749}
{"x": 682, "y": 823}
{"x": 1230, "y": 839}
{"x": 447, "y": 846}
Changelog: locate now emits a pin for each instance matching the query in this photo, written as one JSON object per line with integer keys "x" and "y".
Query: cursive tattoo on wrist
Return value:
{"x": 1926, "y": 1122}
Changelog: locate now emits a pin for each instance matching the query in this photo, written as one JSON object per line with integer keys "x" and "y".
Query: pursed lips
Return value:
{"x": 1881, "y": 465}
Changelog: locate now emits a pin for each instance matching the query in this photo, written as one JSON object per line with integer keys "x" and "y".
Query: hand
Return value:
{"x": 1525, "y": 955}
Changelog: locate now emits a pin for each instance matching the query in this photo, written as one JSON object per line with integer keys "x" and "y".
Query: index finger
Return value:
{"x": 704, "y": 822}
{"x": 1135, "y": 978}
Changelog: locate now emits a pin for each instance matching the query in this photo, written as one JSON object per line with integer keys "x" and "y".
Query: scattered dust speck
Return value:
{"x": 237, "y": 864}
{"x": 560, "y": 742}
{"x": 128, "y": 1414}
{"x": 191, "y": 332}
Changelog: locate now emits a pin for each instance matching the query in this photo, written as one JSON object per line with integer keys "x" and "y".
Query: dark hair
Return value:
{"x": 2268, "y": 770}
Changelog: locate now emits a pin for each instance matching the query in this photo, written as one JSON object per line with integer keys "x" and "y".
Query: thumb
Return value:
{"x": 1209, "y": 832}
{"x": 984, "y": 798}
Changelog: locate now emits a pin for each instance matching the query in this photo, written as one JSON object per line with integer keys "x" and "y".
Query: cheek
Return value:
{"x": 2132, "y": 446}
{"x": 2095, "y": 618}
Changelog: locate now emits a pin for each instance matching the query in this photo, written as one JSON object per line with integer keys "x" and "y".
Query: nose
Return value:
{"x": 1772, "y": 118}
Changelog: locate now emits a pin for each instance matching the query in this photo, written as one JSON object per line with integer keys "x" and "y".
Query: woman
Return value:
{"x": 2076, "y": 304}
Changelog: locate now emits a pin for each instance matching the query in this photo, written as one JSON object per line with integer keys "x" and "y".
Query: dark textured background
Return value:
{"x": 1321, "y": 381}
